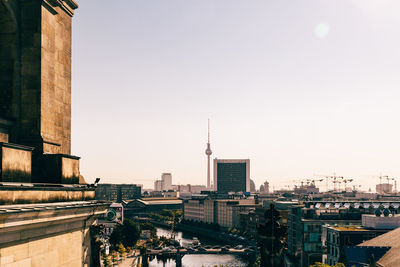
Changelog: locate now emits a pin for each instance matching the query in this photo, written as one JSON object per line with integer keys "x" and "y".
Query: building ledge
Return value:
{"x": 19, "y": 223}
{"x": 23, "y": 193}
{"x": 15, "y": 146}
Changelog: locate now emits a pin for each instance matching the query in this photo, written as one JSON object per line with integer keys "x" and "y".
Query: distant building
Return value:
{"x": 193, "y": 209}
{"x": 144, "y": 206}
{"x": 224, "y": 212}
{"x": 165, "y": 183}
{"x": 158, "y": 185}
{"x": 170, "y": 193}
{"x": 384, "y": 188}
{"x": 252, "y": 186}
{"x": 166, "y": 179}
{"x": 231, "y": 175}
{"x": 117, "y": 192}
{"x": 266, "y": 187}
{"x": 195, "y": 189}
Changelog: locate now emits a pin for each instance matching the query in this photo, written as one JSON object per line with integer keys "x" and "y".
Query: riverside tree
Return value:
{"x": 126, "y": 234}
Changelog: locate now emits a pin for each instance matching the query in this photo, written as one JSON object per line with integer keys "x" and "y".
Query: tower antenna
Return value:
{"x": 208, "y": 153}
{"x": 208, "y": 131}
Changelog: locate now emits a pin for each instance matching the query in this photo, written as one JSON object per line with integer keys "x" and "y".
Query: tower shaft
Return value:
{"x": 208, "y": 153}
{"x": 208, "y": 172}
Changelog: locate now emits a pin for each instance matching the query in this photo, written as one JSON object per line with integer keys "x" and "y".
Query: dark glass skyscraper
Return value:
{"x": 232, "y": 175}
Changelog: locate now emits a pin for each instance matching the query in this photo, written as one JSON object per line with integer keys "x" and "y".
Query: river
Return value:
{"x": 199, "y": 260}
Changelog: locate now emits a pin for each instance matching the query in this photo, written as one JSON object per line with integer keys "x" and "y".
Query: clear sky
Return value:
{"x": 299, "y": 87}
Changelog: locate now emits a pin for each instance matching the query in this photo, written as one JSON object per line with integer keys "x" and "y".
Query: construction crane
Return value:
{"x": 312, "y": 181}
{"x": 395, "y": 184}
{"x": 336, "y": 180}
{"x": 354, "y": 187}
{"x": 327, "y": 177}
{"x": 345, "y": 181}
{"x": 299, "y": 181}
{"x": 288, "y": 187}
{"x": 382, "y": 177}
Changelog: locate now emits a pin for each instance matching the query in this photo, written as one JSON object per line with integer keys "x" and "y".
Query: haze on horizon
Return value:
{"x": 298, "y": 87}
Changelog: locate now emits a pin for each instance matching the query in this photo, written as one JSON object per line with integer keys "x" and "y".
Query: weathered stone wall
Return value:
{"x": 35, "y": 72}
{"x": 8, "y": 63}
{"x": 70, "y": 171}
{"x": 20, "y": 195}
{"x": 15, "y": 165}
{"x": 30, "y": 32}
{"x": 60, "y": 250}
{"x": 56, "y": 81}
{"x": 59, "y": 169}
{"x": 3, "y": 137}
{"x": 54, "y": 234}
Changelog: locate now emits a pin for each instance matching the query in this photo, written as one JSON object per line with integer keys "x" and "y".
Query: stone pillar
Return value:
{"x": 35, "y": 78}
{"x": 35, "y": 72}
{"x": 46, "y": 74}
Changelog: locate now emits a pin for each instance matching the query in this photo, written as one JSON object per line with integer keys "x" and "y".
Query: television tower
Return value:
{"x": 208, "y": 153}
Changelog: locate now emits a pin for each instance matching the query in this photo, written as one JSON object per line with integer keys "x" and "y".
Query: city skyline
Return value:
{"x": 298, "y": 88}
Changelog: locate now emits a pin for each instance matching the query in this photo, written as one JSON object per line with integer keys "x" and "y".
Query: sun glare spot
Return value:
{"x": 322, "y": 30}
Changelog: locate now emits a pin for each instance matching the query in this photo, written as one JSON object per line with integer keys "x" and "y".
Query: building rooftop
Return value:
{"x": 389, "y": 239}
{"x": 348, "y": 228}
{"x": 160, "y": 200}
{"x": 249, "y": 205}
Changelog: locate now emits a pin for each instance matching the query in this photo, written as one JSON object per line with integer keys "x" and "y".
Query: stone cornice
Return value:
{"x": 68, "y": 6}
{"x": 16, "y": 146}
{"x": 22, "y": 222}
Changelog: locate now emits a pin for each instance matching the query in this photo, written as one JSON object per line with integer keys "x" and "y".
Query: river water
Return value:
{"x": 199, "y": 260}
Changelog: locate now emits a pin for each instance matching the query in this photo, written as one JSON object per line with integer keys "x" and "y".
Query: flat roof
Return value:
{"x": 349, "y": 228}
{"x": 232, "y": 160}
{"x": 159, "y": 201}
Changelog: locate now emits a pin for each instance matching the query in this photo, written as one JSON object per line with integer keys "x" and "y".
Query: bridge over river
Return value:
{"x": 178, "y": 254}
{"x": 201, "y": 251}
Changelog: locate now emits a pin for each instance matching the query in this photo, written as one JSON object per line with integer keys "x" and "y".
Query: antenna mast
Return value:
{"x": 208, "y": 153}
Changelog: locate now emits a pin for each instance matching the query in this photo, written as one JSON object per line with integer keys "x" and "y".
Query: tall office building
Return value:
{"x": 231, "y": 175}
{"x": 166, "y": 179}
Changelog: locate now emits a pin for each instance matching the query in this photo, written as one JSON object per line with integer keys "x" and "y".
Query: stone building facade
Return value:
{"x": 52, "y": 234}
{"x": 43, "y": 221}
{"x": 35, "y": 83}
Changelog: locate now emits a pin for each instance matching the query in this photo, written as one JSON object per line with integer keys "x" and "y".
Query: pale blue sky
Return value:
{"x": 298, "y": 87}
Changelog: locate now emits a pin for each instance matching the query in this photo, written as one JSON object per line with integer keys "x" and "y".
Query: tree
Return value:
{"x": 107, "y": 261}
{"x": 122, "y": 250}
{"x": 149, "y": 226}
{"x": 126, "y": 234}
{"x": 271, "y": 237}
